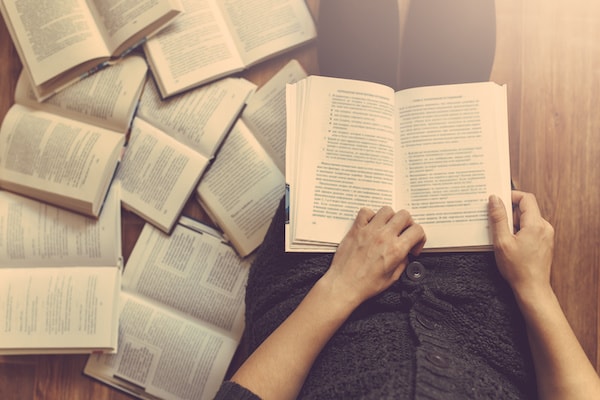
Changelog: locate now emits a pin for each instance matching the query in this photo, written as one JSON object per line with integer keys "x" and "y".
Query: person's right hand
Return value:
{"x": 524, "y": 258}
{"x": 374, "y": 253}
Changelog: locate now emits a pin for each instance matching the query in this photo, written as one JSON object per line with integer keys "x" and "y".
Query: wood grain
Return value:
{"x": 548, "y": 54}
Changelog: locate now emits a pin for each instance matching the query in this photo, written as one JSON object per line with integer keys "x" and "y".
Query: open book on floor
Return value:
{"x": 216, "y": 38}
{"x": 171, "y": 143}
{"x": 437, "y": 151}
{"x": 181, "y": 315}
{"x": 65, "y": 150}
{"x": 60, "y": 42}
{"x": 60, "y": 277}
{"x": 242, "y": 188}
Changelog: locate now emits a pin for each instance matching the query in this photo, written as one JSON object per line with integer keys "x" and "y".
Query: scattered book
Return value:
{"x": 438, "y": 152}
{"x": 107, "y": 99}
{"x": 60, "y": 277}
{"x": 171, "y": 143}
{"x": 181, "y": 315}
{"x": 216, "y": 38}
{"x": 242, "y": 188}
{"x": 65, "y": 151}
{"x": 65, "y": 41}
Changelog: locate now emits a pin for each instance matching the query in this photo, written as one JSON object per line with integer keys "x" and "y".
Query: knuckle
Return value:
{"x": 386, "y": 210}
{"x": 405, "y": 215}
{"x": 365, "y": 212}
{"x": 402, "y": 246}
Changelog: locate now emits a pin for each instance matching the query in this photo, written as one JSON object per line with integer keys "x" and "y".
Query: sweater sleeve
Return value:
{"x": 232, "y": 391}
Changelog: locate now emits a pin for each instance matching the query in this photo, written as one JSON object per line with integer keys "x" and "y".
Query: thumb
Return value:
{"x": 498, "y": 218}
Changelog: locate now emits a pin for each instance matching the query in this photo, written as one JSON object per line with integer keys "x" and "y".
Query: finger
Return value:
{"x": 364, "y": 216}
{"x": 400, "y": 221}
{"x": 382, "y": 216}
{"x": 498, "y": 219}
{"x": 412, "y": 240}
{"x": 418, "y": 248}
{"x": 528, "y": 208}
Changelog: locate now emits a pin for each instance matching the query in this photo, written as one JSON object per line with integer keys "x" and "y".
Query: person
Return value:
{"x": 379, "y": 319}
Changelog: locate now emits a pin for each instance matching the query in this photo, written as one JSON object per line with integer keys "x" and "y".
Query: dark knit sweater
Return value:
{"x": 453, "y": 333}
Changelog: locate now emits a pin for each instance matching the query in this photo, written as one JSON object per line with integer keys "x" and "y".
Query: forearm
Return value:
{"x": 278, "y": 368}
{"x": 562, "y": 367}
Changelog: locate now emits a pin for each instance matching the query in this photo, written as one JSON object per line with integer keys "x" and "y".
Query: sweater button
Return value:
{"x": 415, "y": 271}
{"x": 438, "y": 360}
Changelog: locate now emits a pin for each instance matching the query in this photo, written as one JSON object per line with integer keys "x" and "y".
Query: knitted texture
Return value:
{"x": 231, "y": 390}
{"x": 456, "y": 333}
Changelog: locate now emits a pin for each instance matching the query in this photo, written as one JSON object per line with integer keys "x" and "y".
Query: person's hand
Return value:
{"x": 524, "y": 258}
{"x": 374, "y": 253}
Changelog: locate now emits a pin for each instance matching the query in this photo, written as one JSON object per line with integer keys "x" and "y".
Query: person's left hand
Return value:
{"x": 374, "y": 253}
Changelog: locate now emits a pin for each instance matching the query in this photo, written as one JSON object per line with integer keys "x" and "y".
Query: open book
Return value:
{"x": 438, "y": 152}
{"x": 215, "y": 38}
{"x": 181, "y": 315}
{"x": 172, "y": 142}
{"x": 242, "y": 188}
{"x": 65, "y": 151}
{"x": 60, "y": 42}
{"x": 60, "y": 277}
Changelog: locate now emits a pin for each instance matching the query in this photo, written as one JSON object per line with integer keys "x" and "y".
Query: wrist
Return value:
{"x": 341, "y": 298}
{"x": 531, "y": 297}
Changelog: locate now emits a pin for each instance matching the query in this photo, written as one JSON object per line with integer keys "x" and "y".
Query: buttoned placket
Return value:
{"x": 432, "y": 358}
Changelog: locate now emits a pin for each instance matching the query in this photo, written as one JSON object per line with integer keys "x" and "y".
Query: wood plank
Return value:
{"x": 559, "y": 144}
{"x": 10, "y": 66}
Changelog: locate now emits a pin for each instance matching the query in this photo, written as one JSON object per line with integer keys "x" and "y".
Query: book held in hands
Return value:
{"x": 437, "y": 151}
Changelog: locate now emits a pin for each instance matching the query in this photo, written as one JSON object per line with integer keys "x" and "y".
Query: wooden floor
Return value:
{"x": 548, "y": 53}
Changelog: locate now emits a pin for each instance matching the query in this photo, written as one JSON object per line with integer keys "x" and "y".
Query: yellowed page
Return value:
{"x": 70, "y": 309}
{"x": 242, "y": 189}
{"x": 453, "y": 144}
{"x": 54, "y": 159}
{"x": 158, "y": 174}
{"x": 195, "y": 49}
{"x": 54, "y": 39}
{"x": 343, "y": 155}
{"x": 265, "y": 28}
{"x": 107, "y": 98}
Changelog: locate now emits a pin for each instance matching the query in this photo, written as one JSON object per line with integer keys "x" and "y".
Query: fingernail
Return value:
{"x": 494, "y": 200}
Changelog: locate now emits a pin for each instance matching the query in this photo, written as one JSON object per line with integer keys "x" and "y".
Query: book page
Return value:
{"x": 107, "y": 98}
{"x": 58, "y": 160}
{"x": 163, "y": 354}
{"x": 124, "y": 24}
{"x": 36, "y": 234}
{"x": 192, "y": 272}
{"x": 341, "y": 139}
{"x": 58, "y": 310}
{"x": 198, "y": 118}
{"x": 265, "y": 112}
{"x": 454, "y": 147}
{"x": 264, "y": 28}
{"x": 195, "y": 49}
{"x": 158, "y": 174}
{"x": 54, "y": 38}
{"x": 242, "y": 189}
